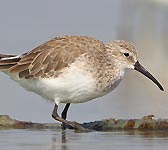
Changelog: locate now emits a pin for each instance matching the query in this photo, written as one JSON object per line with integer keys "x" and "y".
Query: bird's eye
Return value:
{"x": 126, "y": 54}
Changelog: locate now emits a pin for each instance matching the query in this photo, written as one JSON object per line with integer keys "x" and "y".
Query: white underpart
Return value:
{"x": 9, "y": 58}
{"x": 74, "y": 85}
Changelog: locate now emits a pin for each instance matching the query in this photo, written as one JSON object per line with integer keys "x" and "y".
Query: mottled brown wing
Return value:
{"x": 51, "y": 57}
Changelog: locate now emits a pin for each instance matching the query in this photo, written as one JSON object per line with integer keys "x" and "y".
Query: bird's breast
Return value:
{"x": 109, "y": 80}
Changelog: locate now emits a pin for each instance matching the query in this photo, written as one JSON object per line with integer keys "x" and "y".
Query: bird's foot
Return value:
{"x": 74, "y": 125}
{"x": 78, "y": 127}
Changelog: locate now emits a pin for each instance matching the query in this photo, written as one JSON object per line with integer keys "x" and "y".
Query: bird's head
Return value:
{"x": 125, "y": 56}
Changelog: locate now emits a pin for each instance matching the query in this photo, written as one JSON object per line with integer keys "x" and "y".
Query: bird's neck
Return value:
{"x": 109, "y": 77}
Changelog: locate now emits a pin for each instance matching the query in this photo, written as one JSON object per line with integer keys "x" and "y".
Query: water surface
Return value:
{"x": 69, "y": 140}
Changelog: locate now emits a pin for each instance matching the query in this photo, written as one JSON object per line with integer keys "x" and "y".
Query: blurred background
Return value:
{"x": 27, "y": 24}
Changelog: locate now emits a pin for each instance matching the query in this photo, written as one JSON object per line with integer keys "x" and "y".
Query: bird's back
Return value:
{"x": 48, "y": 59}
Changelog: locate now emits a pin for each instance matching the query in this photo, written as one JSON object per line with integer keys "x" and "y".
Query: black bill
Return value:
{"x": 141, "y": 69}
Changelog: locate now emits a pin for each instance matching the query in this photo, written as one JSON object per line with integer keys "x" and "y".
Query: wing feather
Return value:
{"x": 50, "y": 58}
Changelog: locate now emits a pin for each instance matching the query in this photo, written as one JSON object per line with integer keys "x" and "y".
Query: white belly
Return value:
{"x": 72, "y": 86}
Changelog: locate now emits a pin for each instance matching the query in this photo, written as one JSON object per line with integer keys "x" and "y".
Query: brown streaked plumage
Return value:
{"x": 50, "y": 58}
{"x": 73, "y": 69}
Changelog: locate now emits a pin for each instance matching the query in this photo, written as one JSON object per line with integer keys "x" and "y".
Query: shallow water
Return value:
{"x": 69, "y": 140}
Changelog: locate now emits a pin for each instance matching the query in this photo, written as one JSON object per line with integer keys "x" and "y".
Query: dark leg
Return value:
{"x": 75, "y": 125}
{"x": 64, "y": 114}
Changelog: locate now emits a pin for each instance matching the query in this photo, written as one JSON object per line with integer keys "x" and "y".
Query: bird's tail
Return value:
{"x": 7, "y": 61}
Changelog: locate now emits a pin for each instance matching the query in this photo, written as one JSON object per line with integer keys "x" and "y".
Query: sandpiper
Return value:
{"x": 73, "y": 69}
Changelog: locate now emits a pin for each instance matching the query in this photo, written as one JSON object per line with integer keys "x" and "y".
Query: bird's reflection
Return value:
{"x": 58, "y": 143}
{"x": 64, "y": 140}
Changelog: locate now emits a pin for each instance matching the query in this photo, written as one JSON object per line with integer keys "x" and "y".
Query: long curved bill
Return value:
{"x": 142, "y": 70}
